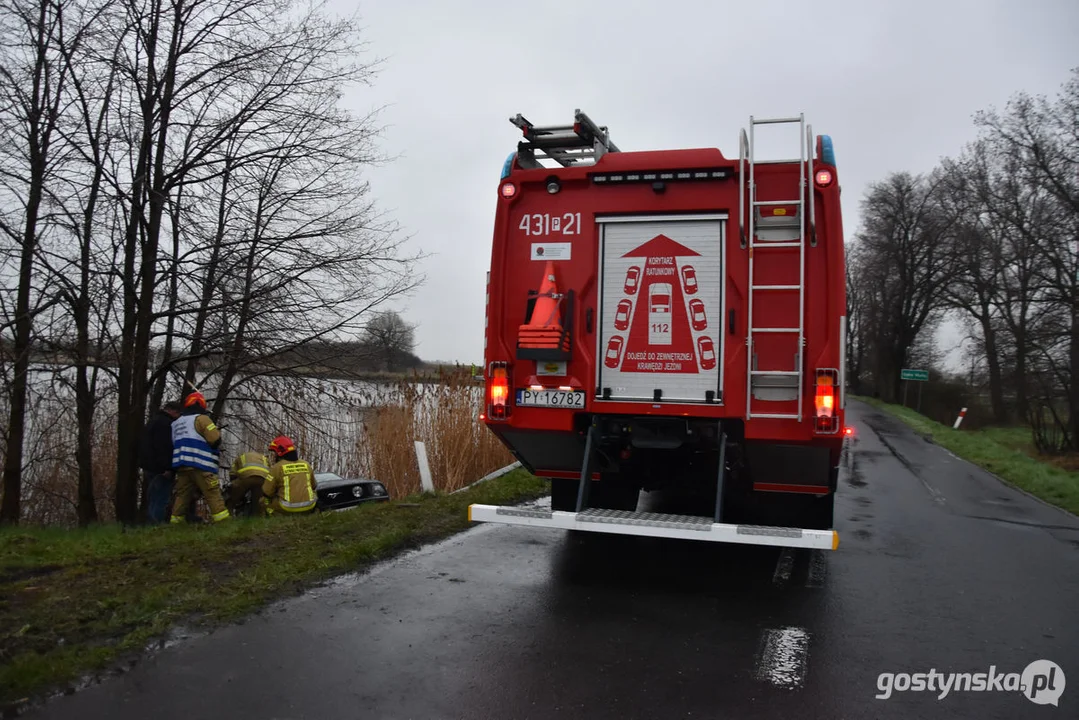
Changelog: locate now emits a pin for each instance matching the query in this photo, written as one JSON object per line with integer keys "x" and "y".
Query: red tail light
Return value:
{"x": 498, "y": 392}
{"x": 826, "y": 420}
{"x": 825, "y": 397}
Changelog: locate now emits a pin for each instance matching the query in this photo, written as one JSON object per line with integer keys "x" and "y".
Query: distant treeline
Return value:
{"x": 988, "y": 239}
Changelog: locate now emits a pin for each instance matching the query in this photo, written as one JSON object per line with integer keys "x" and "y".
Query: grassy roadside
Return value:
{"x": 1001, "y": 451}
{"x": 74, "y": 601}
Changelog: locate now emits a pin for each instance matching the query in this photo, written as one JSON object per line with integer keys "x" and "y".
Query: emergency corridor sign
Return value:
{"x": 660, "y": 309}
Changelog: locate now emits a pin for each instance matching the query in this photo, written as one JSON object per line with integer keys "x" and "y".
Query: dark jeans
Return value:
{"x": 159, "y": 500}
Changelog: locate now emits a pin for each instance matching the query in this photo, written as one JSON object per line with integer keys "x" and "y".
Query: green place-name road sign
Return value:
{"x": 922, "y": 375}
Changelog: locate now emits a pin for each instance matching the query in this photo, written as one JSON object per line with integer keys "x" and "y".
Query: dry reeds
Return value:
{"x": 445, "y": 416}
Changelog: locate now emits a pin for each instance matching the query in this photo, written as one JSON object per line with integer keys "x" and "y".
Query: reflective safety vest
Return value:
{"x": 294, "y": 485}
{"x": 251, "y": 464}
{"x": 189, "y": 447}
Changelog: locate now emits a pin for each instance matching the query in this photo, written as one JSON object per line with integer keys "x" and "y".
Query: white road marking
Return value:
{"x": 783, "y": 567}
{"x": 783, "y": 657}
{"x": 938, "y": 498}
{"x": 817, "y": 570}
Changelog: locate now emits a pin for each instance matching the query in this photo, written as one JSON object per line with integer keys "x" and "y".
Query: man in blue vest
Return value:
{"x": 195, "y": 446}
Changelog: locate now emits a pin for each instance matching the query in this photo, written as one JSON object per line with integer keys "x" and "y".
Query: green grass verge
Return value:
{"x": 1005, "y": 452}
{"x": 75, "y": 601}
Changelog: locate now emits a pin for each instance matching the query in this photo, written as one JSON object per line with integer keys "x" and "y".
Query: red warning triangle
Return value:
{"x": 660, "y": 339}
{"x": 659, "y": 247}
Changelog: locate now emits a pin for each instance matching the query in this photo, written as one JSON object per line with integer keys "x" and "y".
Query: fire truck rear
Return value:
{"x": 669, "y": 321}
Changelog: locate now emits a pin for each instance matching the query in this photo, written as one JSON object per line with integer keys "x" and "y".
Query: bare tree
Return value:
{"x": 205, "y": 76}
{"x": 859, "y": 316}
{"x": 391, "y": 337}
{"x": 34, "y": 34}
{"x": 186, "y": 184}
{"x": 908, "y": 257}
{"x": 1001, "y": 283}
{"x": 1040, "y": 137}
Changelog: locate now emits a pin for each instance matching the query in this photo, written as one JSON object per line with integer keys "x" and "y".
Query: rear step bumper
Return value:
{"x": 685, "y": 527}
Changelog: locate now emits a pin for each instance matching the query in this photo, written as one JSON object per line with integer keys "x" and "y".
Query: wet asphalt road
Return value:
{"x": 940, "y": 566}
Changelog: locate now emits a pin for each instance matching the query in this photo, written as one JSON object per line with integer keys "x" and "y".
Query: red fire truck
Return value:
{"x": 669, "y": 321}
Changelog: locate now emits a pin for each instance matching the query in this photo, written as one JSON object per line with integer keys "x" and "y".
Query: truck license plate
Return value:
{"x": 551, "y": 398}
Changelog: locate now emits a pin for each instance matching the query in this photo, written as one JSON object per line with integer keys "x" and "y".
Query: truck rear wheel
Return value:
{"x": 820, "y": 515}
{"x": 604, "y": 494}
{"x": 564, "y": 494}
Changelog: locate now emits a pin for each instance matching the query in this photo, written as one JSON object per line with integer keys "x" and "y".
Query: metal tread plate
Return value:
{"x": 659, "y": 525}
{"x": 520, "y": 512}
{"x": 628, "y": 517}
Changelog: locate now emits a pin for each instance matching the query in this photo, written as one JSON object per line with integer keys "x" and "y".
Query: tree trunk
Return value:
{"x": 130, "y": 412}
{"x": 174, "y": 299}
{"x": 11, "y": 507}
{"x": 1022, "y": 348}
{"x": 156, "y": 104}
{"x": 1073, "y": 394}
{"x": 992, "y": 360}
{"x": 37, "y": 137}
{"x": 84, "y": 452}
{"x": 210, "y": 279}
{"x": 84, "y": 391}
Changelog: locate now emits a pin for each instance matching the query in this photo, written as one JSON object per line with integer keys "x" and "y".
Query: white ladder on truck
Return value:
{"x": 746, "y": 153}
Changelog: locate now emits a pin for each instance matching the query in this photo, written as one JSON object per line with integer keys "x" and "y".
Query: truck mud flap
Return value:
{"x": 644, "y": 524}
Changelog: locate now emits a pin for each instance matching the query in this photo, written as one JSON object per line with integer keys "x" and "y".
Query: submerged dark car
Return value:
{"x": 336, "y": 492}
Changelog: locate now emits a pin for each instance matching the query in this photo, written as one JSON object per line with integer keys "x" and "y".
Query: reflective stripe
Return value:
{"x": 194, "y": 455}
{"x": 251, "y": 464}
{"x": 300, "y": 473}
{"x": 189, "y": 447}
{"x": 296, "y": 506}
{"x": 176, "y": 520}
{"x": 223, "y": 515}
{"x": 210, "y": 427}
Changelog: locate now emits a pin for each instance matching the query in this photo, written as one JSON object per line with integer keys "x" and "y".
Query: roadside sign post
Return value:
{"x": 919, "y": 376}
{"x": 426, "y": 481}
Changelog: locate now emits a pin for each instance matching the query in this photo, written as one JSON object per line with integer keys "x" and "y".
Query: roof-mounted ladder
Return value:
{"x": 774, "y": 378}
{"x": 565, "y": 144}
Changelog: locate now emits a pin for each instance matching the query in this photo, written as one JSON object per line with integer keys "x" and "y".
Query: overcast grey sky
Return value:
{"x": 894, "y": 83}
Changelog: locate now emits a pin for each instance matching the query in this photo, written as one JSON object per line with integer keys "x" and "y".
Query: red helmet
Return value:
{"x": 282, "y": 445}
{"x": 195, "y": 398}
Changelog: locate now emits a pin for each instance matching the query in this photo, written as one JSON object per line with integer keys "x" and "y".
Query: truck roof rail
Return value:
{"x": 565, "y": 144}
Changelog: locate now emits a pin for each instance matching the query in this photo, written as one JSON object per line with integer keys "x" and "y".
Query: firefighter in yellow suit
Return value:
{"x": 196, "y": 444}
{"x": 249, "y": 471}
{"x": 291, "y": 487}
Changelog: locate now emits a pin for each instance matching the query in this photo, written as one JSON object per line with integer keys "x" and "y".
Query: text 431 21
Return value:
{"x": 547, "y": 224}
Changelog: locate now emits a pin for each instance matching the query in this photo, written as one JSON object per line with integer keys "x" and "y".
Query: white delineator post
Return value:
{"x": 425, "y": 469}
{"x": 962, "y": 414}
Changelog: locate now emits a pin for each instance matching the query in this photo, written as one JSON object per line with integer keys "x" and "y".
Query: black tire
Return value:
{"x": 612, "y": 496}
{"x": 564, "y": 494}
{"x": 820, "y": 515}
{"x": 792, "y": 511}
{"x": 605, "y": 494}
